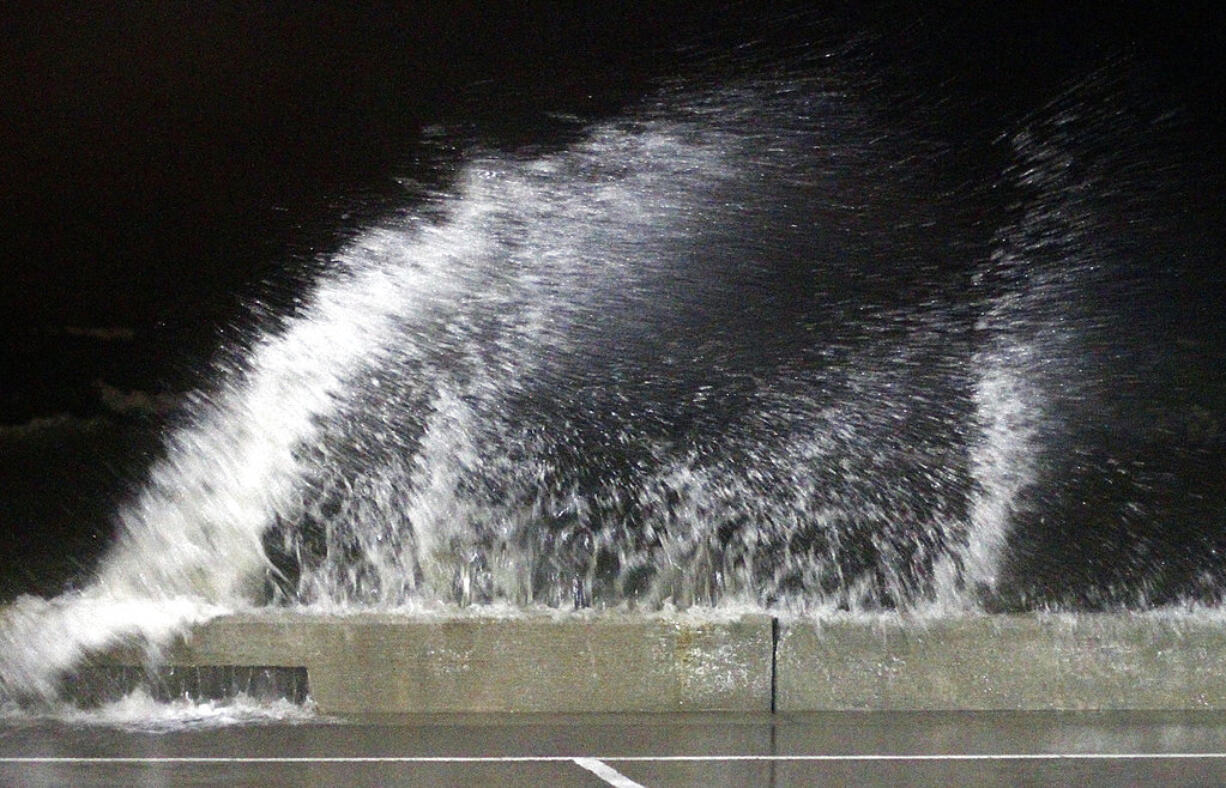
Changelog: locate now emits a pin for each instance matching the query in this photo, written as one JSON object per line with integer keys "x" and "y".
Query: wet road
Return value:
{"x": 920, "y": 748}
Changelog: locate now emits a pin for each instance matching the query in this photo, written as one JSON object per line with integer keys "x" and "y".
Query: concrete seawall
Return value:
{"x": 1003, "y": 662}
{"x": 387, "y": 663}
{"x": 384, "y": 663}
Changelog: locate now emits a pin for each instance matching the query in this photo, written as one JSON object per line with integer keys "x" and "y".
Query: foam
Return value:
{"x": 139, "y": 712}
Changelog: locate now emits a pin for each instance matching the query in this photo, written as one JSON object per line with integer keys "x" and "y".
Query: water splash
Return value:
{"x": 702, "y": 356}
{"x": 142, "y": 713}
{"x": 41, "y": 640}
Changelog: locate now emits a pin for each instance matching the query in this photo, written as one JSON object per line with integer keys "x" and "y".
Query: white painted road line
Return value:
{"x": 607, "y": 773}
{"x": 1038, "y": 756}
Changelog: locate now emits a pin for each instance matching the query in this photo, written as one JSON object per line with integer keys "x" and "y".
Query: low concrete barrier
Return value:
{"x": 1096, "y": 661}
{"x": 389, "y": 663}
{"x": 386, "y": 663}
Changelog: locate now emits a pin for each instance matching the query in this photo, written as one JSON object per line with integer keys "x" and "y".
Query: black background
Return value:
{"x": 158, "y": 161}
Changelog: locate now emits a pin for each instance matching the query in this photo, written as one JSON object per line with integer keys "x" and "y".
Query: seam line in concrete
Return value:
{"x": 774, "y": 664}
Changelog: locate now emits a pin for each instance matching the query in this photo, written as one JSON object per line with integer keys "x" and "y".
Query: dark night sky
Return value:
{"x": 159, "y": 160}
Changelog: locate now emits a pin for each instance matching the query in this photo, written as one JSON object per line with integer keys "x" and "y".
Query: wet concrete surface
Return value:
{"x": 870, "y": 748}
